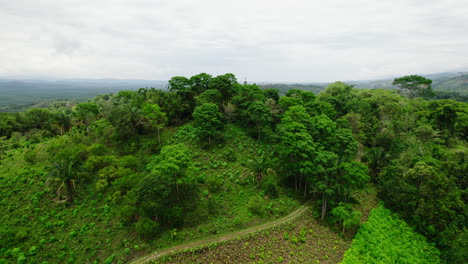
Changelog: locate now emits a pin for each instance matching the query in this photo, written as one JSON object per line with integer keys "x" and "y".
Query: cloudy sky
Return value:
{"x": 261, "y": 40}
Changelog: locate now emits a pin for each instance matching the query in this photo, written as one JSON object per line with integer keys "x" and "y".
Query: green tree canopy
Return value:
{"x": 414, "y": 86}
{"x": 153, "y": 117}
{"x": 208, "y": 120}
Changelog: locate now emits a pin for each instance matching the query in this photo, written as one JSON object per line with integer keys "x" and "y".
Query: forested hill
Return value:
{"x": 17, "y": 95}
{"x": 124, "y": 174}
{"x": 445, "y": 85}
{"x": 283, "y": 88}
{"x": 454, "y": 82}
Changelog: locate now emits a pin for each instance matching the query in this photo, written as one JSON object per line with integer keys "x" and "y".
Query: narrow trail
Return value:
{"x": 208, "y": 241}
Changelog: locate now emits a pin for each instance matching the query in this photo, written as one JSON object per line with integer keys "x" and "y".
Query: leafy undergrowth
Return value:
{"x": 36, "y": 227}
{"x": 303, "y": 240}
{"x": 385, "y": 238}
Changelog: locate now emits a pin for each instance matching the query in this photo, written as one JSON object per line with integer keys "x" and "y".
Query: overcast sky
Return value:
{"x": 294, "y": 40}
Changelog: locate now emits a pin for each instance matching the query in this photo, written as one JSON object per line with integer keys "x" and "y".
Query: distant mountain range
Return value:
{"x": 448, "y": 85}
{"x": 448, "y": 81}
{"x": 16, "y": 94}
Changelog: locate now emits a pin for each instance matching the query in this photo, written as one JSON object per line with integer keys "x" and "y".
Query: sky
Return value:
{"x": 257, "y": 40}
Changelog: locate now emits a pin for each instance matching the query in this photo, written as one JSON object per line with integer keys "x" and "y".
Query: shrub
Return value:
{"x": 256, "y": 206}
{"x": 30, "y": 156}
{"x": 21, "y": 235}
{"x": 21, "y": 259}
{"x": 97, "y": 149}
{"x": 110, "y": 259}
{"x": 230, "y": 155}
{"x": 127, "y": 213}
{"x": 215, "y": 184}
{"x": 294, "y": 239}
{"x": 385, "y": 238}
{"x": 146, "y": 227}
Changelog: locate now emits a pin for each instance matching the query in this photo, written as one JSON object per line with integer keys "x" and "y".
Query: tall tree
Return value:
{"x": 66, "y": 160}
{"x": 210, "y": 96}
{"x": 323, "y": 180}
{"x": 208, "y": 120}
{"x": 200, "y": 83}
{"x": 153, "y": 117}
{"x": 37, "y": 118}
{"x": 297, "y": 146}
{"x": 339, "y": 95}
{"x": 61, "y": 118}
{"x": 414, "y": 86}
{"x": 86, "y": 112}
{"x": 226, "y": 84}
{"x": 260, "y": 114}
{"x": 173, "y": 162}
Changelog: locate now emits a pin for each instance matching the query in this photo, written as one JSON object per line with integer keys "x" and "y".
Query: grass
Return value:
{"x": 36, "y": 228}
{"x": 303, "y": 240}
{"x": 385, "y": 238}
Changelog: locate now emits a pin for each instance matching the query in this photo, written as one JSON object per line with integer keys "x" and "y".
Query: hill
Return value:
{"x": 18, "y": 95}
{"x": 123, "y": 175}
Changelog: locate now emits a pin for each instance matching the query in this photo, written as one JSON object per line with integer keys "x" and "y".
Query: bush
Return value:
{"x": 256, "y": 206}
{"x": 385, "y": 238}
{"x": 270, "y": 187}
{"x": 30, "y": 156}
{"x": 127, "y": 213}
{"x": 294, "y": 239}
{"x": 230, "y": 155}
{"x": 21, "y": 235}
{"x": 146, "y": 227}
{"x": 97, "y": 149}
{"x": 215, "y": 183}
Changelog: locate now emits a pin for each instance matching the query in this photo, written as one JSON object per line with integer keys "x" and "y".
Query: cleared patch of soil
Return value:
{"x": 277, "y": 245}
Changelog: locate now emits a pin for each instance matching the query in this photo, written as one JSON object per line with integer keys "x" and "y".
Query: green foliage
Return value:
{"x": 86, "y": 112}
{"x": 210, "y": 96}
{"x": 338, "y": 94}
{"x": 153, "y": 117}
{"x": 414, "y": 86}
{"x": 208, "y": 120}
{"x": 109, "y": 170}
{"x": 259, "y": 113}
{"x": 346, "y": 215}
{"x": 146, "y": 227}
{"x": 256, "y": 205}
{"x": 385, "y": 238}
{"x": 30, "y": 156}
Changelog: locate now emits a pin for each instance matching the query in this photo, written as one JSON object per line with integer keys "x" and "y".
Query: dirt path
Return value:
{"x": 204, "y": 242}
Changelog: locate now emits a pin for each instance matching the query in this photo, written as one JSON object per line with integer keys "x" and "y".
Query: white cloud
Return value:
{"x": 298, "y": 40}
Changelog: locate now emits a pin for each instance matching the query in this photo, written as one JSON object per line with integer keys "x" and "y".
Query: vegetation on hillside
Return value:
{"x": 113, "y": 178}
{"x": 385, "y": 238}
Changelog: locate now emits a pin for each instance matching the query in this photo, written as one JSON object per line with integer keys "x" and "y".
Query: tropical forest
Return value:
{"x": 212, "y": 170}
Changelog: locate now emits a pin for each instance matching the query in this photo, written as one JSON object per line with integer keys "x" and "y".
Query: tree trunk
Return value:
{"x": 324, "y": 206}
{"x": 295, "y": 183}
{"x": 69, "y": 190}
{"x": 159, "y": 137}
{"x": 360, "y": 151}
{"x": 209, "y": 140}
{"x": 300, "y": 183}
